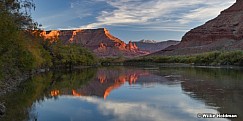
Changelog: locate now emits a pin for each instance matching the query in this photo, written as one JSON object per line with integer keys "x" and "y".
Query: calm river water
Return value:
{"x": 128, "y": 94}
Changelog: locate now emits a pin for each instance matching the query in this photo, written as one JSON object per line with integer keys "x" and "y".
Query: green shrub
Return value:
{"x": 72, "y": 55}
{"x": 208, "y": 58}
{"x": 230, "y": 58}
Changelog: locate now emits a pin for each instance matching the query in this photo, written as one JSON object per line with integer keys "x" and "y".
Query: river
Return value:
{"x": 128, "y": 94}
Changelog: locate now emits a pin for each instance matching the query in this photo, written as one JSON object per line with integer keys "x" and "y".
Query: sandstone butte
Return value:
{"x": 100, "y": 41}
{"x": 225, "y": 32}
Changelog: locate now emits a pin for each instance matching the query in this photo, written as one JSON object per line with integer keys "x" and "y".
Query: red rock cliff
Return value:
{"x": 228, "y": 25}
{"x": 99, "y": 41}
{"x": 225, "y": 32}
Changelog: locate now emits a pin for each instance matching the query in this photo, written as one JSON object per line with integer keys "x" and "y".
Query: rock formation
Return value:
{"x": 154, "y": 46}
{"x": 225, "y": 32}
{"x": 99, "y": 41}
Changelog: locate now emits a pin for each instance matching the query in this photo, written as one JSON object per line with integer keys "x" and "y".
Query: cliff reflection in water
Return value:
{"x": 108, "y": 79}
{"x": 221, "y": 89}
{"x": 167, "y": 93}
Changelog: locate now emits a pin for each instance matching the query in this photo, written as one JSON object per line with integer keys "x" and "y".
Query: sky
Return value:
{"x": 129, "y": 19}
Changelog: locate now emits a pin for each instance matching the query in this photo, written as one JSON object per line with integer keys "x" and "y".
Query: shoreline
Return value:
{"x": 152, "y": 64}
{"x": 10, "y": 84}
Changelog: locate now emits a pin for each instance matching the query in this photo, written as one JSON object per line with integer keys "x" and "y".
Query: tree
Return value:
{"x": 20, "y": 12}
{"x": 17, "y": 51}
{"x": 70, "y": 55}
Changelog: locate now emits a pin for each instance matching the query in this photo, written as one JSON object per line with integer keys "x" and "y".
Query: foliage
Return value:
{"x": 20, "y": 11}
{"x": 209, "y": 58}
{"x": 112, "y": 61}
{"x": 18, "y": 49}
{"x": 38, "y": 88}
{"x": 230, "y": 58}
{"x": 21, "y": 48}
{"x": 71, "y": 54}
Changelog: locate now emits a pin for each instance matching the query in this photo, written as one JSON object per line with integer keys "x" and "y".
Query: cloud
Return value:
{"x": 208, "y": 11}
{"x": 83, "y": 8}
{"x": 163, "y": 12}
{"x": 158, "y": 108}
{"x": 129, "y": 111}
{"x": 155, "y": 110}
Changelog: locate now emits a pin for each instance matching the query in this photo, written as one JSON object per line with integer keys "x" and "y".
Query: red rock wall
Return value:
{"x": 225, "y": 32}
{"x": 228, "y": 25}
{"x": 98, "y": 40}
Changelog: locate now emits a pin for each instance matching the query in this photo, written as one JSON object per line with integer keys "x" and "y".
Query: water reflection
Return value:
{"x": 220, "y": 89}
{"x": 105, "y": 81}
{"x": 130, "y": 94}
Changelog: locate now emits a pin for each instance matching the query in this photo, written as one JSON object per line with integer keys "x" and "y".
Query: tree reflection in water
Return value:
{"x": 220, "y": 89}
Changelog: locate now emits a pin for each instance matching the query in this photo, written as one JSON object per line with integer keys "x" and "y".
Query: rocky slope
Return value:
{"x": 154, "y": 46}
{"x": 100, "y": 41}
{"x": 225, "y": 32}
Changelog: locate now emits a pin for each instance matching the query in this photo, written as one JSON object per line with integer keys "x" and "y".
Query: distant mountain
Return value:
{"x": 100, "y": 41}
{"x": 148, "y": 41}
{"x": 225, "y": 32}
{"x": 153, "y": 46}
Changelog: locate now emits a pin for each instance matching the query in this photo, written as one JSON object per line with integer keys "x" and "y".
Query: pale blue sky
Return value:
{"x": 129, "y": 19}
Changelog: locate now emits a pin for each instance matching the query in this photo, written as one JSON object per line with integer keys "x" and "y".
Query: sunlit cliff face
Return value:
{"x": 71, "y": 40}
{"x": 107, "y": 33}
{"x": 104, "y": 83}
{"x": 52, "y": 36}
{"x": 74, "y": 35}
{"x": 100, "y": 41}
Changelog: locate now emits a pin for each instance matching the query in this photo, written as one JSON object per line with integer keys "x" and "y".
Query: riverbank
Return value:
{"x": 2, "y": 109}
{"x": 180, "y": 65}
{"x": 216, "y": 58}
{"x": 11, "y": 83}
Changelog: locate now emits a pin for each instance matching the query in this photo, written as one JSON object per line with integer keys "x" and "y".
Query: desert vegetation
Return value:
{"x": 21, "y": 47}
{"x": 215, "y": 58}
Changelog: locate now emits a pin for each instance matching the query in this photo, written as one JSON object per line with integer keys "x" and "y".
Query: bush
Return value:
{"x": 231, "y": 58}
{"x": 209, "y": 58}
{"x": 72, "y": 55}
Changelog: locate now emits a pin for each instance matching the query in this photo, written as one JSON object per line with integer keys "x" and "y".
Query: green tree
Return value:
{"x": 17, "y": 50}
{"x": 71, "y": 55}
